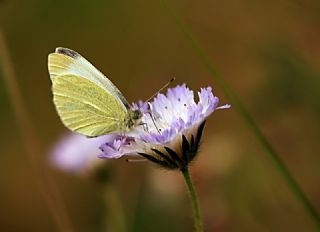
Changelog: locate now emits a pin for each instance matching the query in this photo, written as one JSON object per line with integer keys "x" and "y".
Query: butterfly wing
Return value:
{"x": 65, "y": 61}
{"x": 85, "y": 107}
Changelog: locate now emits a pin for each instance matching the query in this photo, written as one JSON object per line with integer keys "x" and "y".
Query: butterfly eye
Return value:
{"x": 136, "y": 114}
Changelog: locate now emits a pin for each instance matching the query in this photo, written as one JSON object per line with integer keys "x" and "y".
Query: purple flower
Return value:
{"x": 76, "y": 153}
{"x": 171, "y": 129}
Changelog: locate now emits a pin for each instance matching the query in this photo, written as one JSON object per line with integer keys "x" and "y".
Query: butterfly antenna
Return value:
{"x": 162, "y": 88}
{"x": 150, "y": 111}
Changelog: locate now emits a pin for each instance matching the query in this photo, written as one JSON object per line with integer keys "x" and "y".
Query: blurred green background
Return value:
{"x": 268, "y": 51}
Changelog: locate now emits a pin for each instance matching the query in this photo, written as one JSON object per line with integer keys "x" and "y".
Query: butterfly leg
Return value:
{"x": 145, "y": 126}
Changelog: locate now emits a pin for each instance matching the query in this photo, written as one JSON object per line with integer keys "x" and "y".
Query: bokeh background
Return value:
{"x": 268, "y": 52}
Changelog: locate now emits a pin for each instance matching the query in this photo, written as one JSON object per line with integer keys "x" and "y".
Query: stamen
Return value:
{"x": 152, "y": 118}
{"x": 135, "y": 160}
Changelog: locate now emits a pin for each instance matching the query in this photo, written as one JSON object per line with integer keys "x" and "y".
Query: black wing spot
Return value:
{"x": 67, "y": 52}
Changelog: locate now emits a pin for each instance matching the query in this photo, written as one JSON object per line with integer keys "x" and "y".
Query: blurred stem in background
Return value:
{"x": 31, "y": 142}
{"x": 113, "y": 217}
{"x": 77, "y": 155}
{"x": 236, "y": 102}
{"x": 194, "y": 200}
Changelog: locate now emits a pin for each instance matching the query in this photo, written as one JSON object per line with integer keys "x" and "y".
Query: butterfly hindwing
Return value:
{"x": 85, "y": 107}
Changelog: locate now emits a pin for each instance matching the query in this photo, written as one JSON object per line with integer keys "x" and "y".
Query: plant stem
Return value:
{"x": 31, "y": 142}
{"x": 238, "y": 105}
{"x": 194, "y": 200}
{"x": 112, "y": 212}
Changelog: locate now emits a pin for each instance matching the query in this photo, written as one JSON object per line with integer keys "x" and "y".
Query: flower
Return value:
{"x": 171, "y": 128}
{"x": 77, "y": 154}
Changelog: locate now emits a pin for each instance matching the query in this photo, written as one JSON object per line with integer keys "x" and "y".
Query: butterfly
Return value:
{"x": 85, "y": 99}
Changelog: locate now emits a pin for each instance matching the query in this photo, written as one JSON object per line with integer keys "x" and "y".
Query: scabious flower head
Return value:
{"x": 171, "y": 130}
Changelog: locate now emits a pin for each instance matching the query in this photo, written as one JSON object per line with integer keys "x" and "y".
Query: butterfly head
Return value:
{"x": 134, "y": 118}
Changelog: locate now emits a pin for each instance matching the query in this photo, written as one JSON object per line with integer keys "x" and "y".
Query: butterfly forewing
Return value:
{"x": 66, "y": 61}
{"x": 87, "y": 108}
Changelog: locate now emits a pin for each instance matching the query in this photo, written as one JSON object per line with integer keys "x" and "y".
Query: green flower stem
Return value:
{"x": 238, "y": 105}
{"x": 112, "y": 212}
{"x": 194, "y": 200}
